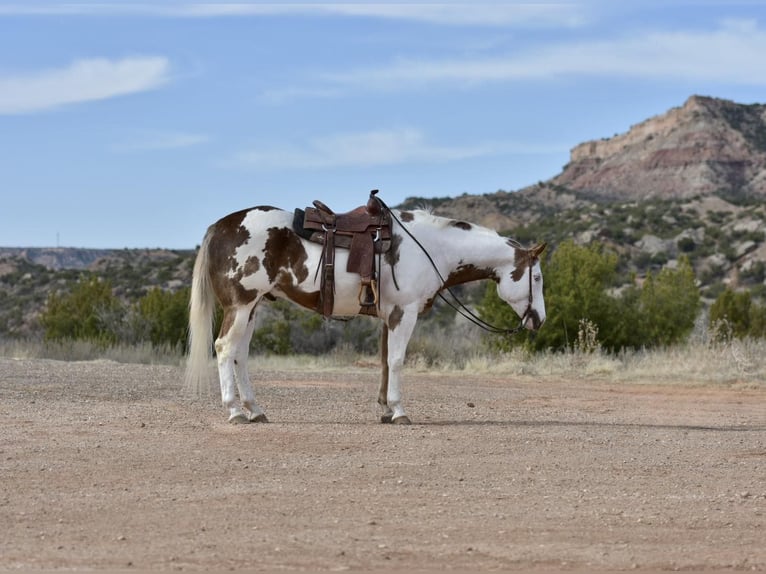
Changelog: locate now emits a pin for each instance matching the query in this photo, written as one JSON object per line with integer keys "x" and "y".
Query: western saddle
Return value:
{"x": 364, "y": 232}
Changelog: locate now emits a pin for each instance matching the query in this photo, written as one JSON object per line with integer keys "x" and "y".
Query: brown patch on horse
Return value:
{"x": 395, "y": 318}
{"x": 392, "y": 255}
{"x": 226, "y": 235}
{"x": 229, "y": 314}
{"x": 284, "y": 253}
{"x": 252, "y": 265}
{"x": 284, "y": 250}
{"x": 406, "y": 216}
{"x": 463, "y": 274}
{"x": 309, "y": 300}
{"x": 526, "y": 258}
{"x": 468, "y": 273}
{"x": 521, "y": 262}
{"x": 464, "y": 225}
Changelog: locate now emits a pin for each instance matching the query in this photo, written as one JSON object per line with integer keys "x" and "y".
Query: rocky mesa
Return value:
{"x": 706, "y": 146}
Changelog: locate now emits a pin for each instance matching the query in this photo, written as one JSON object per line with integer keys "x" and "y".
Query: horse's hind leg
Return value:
{"x": 233, "y": 330}
{"x": 246, "y": 394}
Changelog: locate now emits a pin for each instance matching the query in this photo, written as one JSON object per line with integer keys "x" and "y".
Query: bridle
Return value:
{"x": 464, "y": 311}
{"x": 457, "y": 304}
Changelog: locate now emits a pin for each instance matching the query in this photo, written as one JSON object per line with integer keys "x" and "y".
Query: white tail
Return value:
{"x": 201, "y": 307}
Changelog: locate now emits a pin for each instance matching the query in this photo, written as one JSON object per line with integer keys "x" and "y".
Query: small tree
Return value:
{"x": 576, "y": 282}
{"x": 165, "y": 316}
{"x": 89, "y": 312}
{"x": 744, "y": 317}
{"x": 668, "y": 305}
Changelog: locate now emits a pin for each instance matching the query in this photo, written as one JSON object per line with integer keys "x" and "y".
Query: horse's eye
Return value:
{"x": 537, "y": 277}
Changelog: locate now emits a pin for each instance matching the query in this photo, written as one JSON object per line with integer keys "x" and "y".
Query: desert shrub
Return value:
{"x": 743, "y": 316}
{"x": 668, "y": 305}
{"x": 577, "y": 279}
{"x": 163, "y": 317}
{"x": 578, "y": 283}
{"x": 90, "y": 311}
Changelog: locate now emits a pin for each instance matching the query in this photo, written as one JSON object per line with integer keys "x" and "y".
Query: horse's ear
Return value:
{"x": 537, "y": 250}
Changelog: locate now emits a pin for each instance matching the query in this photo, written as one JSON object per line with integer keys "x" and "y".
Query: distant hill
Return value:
{"x": 707, "y": 146}
{"x": 56, "y": 257}
{"x": 690, "y": 182}
{"x": 29, "y": 275}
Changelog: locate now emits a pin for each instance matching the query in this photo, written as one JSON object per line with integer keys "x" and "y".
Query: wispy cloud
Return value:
{"x": 81, "y": 81}
{"x": 732, "y": 53}
{"x": 534, "y": 14}
{"x": 159, "y": 141}
{"x": 376, "y": 148}
{"x": 364, "y": 149}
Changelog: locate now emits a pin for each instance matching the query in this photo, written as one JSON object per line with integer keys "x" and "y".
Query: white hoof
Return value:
{"x": 238, "y": 418}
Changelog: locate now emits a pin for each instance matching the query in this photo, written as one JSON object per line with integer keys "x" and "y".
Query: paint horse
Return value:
{"x": 255, "y": 255}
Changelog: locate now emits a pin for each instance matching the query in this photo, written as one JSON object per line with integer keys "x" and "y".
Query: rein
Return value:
{"x": 460, "y": 307}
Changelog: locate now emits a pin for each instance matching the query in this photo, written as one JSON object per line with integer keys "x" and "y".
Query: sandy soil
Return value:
{"x": 105, "y": 466}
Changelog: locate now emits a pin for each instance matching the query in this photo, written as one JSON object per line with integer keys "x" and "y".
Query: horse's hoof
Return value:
{"x": 386, "y": 419}
{"x": 239, "y": 419}
{"x": 261, "y": 418}
{"x": 403, "y": 420}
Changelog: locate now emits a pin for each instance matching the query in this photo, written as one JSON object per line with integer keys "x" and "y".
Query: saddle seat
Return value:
{"x": 364, "y": 232}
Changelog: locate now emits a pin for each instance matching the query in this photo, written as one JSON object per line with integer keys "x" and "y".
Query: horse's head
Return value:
{"x": 521, "y": 286}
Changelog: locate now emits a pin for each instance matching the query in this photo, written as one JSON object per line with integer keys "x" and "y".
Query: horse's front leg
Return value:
{"x": 400, "y": 324}
{"x": 388, "y": 414}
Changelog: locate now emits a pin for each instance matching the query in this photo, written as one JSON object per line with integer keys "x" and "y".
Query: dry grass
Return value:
{"x": 736, "y": 363}
{"x": 740, "y": 364}
{"x": 143, "y": 353}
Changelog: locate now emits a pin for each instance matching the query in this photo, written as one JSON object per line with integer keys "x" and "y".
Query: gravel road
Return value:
{"x": 108, "y": 466}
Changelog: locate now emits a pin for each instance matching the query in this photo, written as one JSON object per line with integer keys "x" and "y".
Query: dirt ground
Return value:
{"x": 105, "y": 466}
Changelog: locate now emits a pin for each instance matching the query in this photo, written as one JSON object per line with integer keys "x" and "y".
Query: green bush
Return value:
{"x": 165, "y": 317}
{"x": 90, "y": 312}
{"x": 668, "y": 305}
{"x": 578, "y": 281}
{"x": 743, "y": 316}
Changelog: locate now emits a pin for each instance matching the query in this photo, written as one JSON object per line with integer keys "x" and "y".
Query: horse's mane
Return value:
{"x": 427, "y": 217}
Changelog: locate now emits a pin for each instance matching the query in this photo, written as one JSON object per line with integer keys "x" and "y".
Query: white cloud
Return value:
{"x": 365, "y": 149}
{"x": 733, "y": 53}
{"x": 158, "y": 141}
{"x": 462, "y": 13}
{"x": 469, "y": 14}
{"x": 82, "y": 81}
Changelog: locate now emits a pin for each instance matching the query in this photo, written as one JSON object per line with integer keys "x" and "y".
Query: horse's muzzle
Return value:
{"x": 532, "y": 320}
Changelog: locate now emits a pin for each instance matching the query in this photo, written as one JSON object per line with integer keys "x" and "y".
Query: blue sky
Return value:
{"x": 128, "y": 124}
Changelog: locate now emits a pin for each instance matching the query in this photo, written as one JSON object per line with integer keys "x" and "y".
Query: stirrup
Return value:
{"x": 364, "y": 294}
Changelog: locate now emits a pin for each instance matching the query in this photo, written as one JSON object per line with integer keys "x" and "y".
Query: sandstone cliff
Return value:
{"x": 706, "y": 146}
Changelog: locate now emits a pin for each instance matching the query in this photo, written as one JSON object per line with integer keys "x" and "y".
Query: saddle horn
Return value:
{"x": 374, "y": 206}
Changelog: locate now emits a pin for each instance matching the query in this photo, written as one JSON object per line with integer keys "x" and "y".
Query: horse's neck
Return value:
{"x": 464, "y": 256}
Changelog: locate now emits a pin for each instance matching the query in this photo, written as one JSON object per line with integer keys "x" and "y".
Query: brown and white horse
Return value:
{"x": 254, "y": 255}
